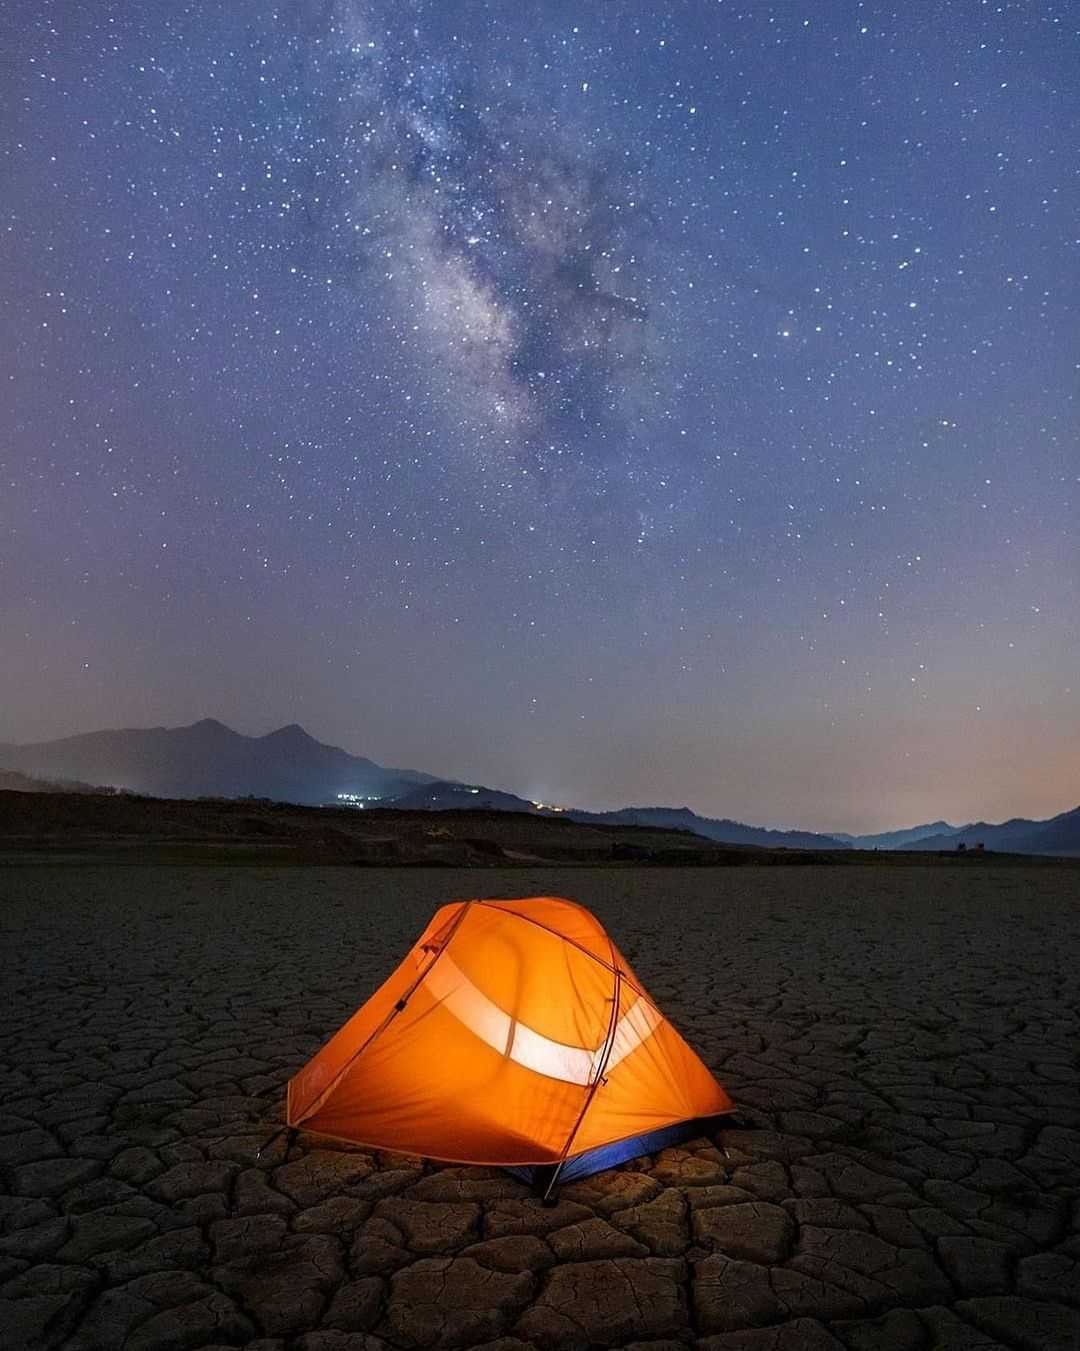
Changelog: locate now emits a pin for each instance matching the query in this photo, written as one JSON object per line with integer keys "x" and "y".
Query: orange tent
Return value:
{"x": 513, "y": 1033}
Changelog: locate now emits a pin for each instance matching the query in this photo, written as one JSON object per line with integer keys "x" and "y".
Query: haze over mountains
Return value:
{"x": 208, "y": 759}
{"x": 1059, "y": 835}
{"x": 446, "y": 796}
{"x": 898, "y": 839}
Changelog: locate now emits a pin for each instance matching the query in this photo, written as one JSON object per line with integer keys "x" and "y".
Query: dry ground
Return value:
{"x": 906, "y": 1041}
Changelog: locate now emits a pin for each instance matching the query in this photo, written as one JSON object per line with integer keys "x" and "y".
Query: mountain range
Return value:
{"x": 898, "y": 839}
{"x": 1059, "y": 835}
{"x": 208, "y": 759}
{"x": 446, "y": 796}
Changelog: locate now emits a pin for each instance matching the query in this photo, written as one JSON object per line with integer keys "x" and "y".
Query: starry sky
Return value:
{"x": 611, "y": 402}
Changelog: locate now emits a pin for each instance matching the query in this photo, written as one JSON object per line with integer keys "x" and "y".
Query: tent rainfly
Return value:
{"x": 514, "y": 1033}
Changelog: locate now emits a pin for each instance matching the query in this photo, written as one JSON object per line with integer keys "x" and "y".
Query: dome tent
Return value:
{"x": 514, "y": 1033}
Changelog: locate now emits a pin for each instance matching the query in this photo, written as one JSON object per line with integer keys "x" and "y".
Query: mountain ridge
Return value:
{"x": 451, "y": 795}
{"x": 1058, "y": 834}
{"x": 722, "y": 829}
{"x": 894, "y": 839}
{"x": 207, "y": 758}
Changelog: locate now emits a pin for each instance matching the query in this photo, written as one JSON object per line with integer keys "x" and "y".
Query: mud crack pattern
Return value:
{"x": 902, "y": 1044}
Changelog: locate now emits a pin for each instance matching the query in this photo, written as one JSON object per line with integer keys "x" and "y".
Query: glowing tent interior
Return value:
{"x": 513, "y": 1033}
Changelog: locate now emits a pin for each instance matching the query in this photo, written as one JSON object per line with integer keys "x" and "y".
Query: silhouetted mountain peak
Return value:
{"x": 897, "y": 839}
{"x": 1019, "y": 835}
{"x": 204, "y": 725}
{"x": 208, "y": 759}
{"x": 291, "y": 733}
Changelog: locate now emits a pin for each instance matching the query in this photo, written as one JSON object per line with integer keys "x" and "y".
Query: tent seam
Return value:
{"x": 594, "y": 1087}
{"x": 608, "y": 966}
{"x": 390, "y": 1016}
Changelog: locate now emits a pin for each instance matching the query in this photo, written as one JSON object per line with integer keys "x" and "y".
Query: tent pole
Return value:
{"x": 597, "y": 1081}
{"x": 401, "y": 1004}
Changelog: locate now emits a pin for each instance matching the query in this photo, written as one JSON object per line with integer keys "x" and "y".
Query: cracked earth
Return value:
{"x": 902, "y": 1044}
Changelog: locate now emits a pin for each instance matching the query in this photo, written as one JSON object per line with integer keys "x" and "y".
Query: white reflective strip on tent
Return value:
{"x": 455, "y": 992}
{"x": 636, "y": 1025}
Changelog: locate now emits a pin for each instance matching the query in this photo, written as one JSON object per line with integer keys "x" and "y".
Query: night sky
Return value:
{"x": 612, "y": 402}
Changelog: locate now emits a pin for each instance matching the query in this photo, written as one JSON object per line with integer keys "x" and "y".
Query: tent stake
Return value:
{"x": 289, "y": 1130}
{"x": 544, "y": 1184}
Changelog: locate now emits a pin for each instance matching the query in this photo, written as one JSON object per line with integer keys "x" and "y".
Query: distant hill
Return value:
{"x": 1059, "y": 835}
{"x": 723, "y": 831}
{"x": 447, "y": 796}
{"x": 897, "y": 839}
{"x": 209, "y": 759}
{"x": 127, "y": 828}
{"x": 443, "y": 795}
{"x": 11, "y": 781}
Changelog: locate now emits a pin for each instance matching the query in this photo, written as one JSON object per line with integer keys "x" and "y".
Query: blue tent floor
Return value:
{"x": 543, "y": 1176}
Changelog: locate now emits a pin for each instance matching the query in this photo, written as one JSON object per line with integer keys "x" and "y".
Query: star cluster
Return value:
{"x": 610, "y": 402}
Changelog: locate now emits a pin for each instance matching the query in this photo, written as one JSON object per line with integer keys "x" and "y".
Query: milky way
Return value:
{"x": 611, "y": 403}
